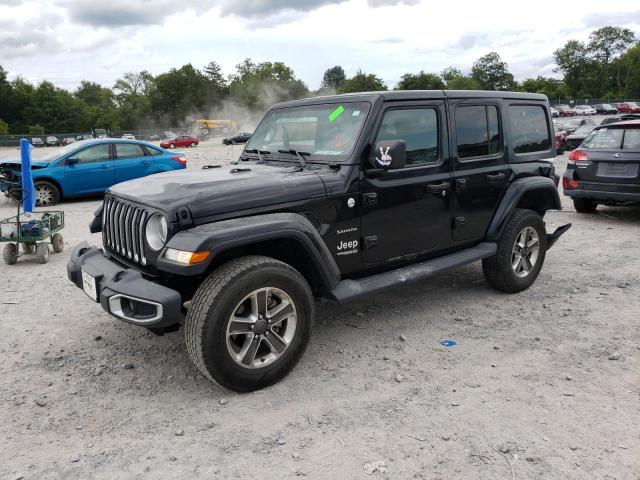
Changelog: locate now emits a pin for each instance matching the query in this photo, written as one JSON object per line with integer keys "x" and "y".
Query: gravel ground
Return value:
{"x": 542, "y": 384}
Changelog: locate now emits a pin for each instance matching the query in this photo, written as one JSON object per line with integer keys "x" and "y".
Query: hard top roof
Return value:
{"x": 401, "y": 95}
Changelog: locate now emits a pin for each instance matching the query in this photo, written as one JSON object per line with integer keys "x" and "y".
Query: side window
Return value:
{"x": 418, "y": 127}
{"x": 128, "y": 150}
{"x": 97, "y": 153}
{"x": 477, "y": 131}
{"x": 151, "y": 151}
{"x": 529, "y": 129}
{"x": 631, "y": 139}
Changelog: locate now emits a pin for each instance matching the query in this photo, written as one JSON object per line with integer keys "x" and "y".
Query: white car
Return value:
{"x": 128, "y": 136}
{"x": 584, "y": 110}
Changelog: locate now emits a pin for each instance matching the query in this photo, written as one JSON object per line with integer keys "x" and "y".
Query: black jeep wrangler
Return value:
{"x": 334, "y": 197}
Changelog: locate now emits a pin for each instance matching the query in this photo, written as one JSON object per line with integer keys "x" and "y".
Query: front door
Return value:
{"x": 89, "y": 171}
{"x": 407, "y": 211}
{"x": 481, "y": 171}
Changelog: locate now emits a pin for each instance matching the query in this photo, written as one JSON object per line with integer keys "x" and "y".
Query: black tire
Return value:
{"x": 561, "y": 150}
{"x": 57, "y": 242}
{"x": 47, "y": 194}
{"x": 10, "y": 253}
{"x": 42, "y": 252}
{"x": 584, "y": 205}
{"x": 193, "y": 145}
{"x": 171, "y": 145}
{"x": 217, "y": 299}
{"x": 29, "y": 248}
{"x": 498, "y": 270}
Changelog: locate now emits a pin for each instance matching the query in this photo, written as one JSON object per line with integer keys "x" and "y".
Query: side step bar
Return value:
{"x": 352, "y": 289}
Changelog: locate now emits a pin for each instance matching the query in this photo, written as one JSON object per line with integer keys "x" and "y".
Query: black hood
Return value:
{"x": 225, "y": 189}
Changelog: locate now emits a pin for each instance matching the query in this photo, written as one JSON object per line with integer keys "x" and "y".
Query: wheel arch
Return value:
{"x": 539, "y": 194}
{"x": 288, "y": 237}
{"x": 52, "y": 180}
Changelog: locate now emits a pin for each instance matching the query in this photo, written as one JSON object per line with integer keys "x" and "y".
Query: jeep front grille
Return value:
{"x": 123, "y": 229}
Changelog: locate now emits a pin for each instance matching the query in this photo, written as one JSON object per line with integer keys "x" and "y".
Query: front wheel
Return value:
{"x": 520, "y": 255}
{"x": 46, "y": 194}
{"x": 584, "y": 205}
{"x": 192, "y": 145}
{"x": 171, "y": 145}
{"x": 249, "y": 323}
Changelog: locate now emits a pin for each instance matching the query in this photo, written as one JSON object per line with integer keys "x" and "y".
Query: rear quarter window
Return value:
{"x": 631, "y": 139}
{"x": 529, "y": 129}
{"x": 604, "y": 138}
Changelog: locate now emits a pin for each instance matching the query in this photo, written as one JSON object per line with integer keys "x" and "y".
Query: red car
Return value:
{"x": 180, "y": 141}
{"x": 565, "y": 111}
{"x": 628, "y": 107}
{"x": 561, "y": 141}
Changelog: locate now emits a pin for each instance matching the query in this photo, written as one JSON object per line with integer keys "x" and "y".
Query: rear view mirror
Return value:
{"x": 391, "y": 154}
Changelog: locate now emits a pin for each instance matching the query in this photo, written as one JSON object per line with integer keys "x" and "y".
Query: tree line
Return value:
{"x": 607, "y": 66}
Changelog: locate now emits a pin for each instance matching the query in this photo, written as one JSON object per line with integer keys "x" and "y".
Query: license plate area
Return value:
{"x": 617, "y": 169}
{"x": 90, "y": 285}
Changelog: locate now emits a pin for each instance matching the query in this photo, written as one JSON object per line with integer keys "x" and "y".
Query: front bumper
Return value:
{"x": 6, "y": 185}
{"x": 123, "y": 292}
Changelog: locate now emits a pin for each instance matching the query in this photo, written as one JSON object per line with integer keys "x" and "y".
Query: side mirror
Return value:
{"x": 391, "y": 154}
{"x": 72, "y": 161}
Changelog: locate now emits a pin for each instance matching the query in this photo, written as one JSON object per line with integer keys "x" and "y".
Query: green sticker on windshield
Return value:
{"x": 336, "y": 113}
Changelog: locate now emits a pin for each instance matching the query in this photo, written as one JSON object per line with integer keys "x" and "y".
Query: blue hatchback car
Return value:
{"x": 89, "y": 167}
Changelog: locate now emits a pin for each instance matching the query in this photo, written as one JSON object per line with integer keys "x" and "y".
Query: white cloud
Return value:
{"x": 70, "y": 40}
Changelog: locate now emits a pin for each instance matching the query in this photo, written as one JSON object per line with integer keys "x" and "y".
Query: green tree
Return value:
{"x": 629, "y": 67}
{"x": 492, "y": 73}
{"x": 574, "y": 63}
{"x": 362, "y": 82}
{"x": 551, "y": 87}
{"x": 258, "y": 86}
{"x": 132, "y": 95}
{"x": 333, "y": 78}
{"x": 36, "y": 130}
{"x": 456, "y": 80}
{"x": 420, "y": 81}
{"x": 4, "y": 127}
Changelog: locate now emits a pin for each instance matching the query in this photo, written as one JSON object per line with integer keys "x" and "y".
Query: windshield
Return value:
{"x": 62, "y": 151}
{"x": 604, "y": 138}
{"x": 326, "y": 132}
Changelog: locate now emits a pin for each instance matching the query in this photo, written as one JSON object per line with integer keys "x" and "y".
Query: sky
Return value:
{"x": 66, "y": 41}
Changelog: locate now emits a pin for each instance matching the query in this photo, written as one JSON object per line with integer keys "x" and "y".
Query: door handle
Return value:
{"x": 104, "y": 166}
{"x": 495, "y": 177}
{"x": 438, "y": 188}
{"x": 144, "y": 162}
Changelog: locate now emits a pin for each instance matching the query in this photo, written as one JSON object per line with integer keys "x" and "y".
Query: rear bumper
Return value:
{"x": 123, "y": 292}
{"x": 603, "y": 196}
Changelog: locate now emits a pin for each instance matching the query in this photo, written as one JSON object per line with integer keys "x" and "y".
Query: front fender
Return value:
{"x": 222, "y": 236}
{"x": 544, "y": 189}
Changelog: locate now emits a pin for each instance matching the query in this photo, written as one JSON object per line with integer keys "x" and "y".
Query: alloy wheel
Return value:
{"x": 261, "y": 328}
{"x": 524, "y": 254}
{"x": 44, "y": 195}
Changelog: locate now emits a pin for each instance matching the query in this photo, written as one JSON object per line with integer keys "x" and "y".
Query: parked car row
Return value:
{"x": 598, "y": 108}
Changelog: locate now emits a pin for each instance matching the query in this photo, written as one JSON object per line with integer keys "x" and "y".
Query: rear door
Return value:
{"x": 89, "y": 171}
{"x": 613, "y": 160}
{"x": 131, "y": 161}
{"x": 480, "y": 168}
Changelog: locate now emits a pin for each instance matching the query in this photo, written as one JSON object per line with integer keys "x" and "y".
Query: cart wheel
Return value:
{"x": 42, "y": 251}
{"x": 58, "y": 242}
{"x": 10, "y": 253}
{"x": 29, "y": 248}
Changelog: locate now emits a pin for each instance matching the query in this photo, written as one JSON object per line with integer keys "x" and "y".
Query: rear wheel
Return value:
{"x": 46, "y": 194}
{"x": 171, "y": 145}
{"x": 520, "y": 255}
{"x": 192, "y": 145}
{"x": 249, "y": 323}
{"x": 584, "y": 205}
{"x": 57, "y": 242}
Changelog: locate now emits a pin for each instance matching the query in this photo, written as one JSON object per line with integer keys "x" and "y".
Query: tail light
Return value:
{"x": 578, "y": 156}
{"x": 569, "y": 183}
{"x": 180, "y": 160}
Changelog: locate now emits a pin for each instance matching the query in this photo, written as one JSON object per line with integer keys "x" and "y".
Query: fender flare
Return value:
{"x": 516, "y": 190}
{"x": 224, "y": 235}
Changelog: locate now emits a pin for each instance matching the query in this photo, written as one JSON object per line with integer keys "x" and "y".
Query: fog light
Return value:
{"x": 187, "y": 258}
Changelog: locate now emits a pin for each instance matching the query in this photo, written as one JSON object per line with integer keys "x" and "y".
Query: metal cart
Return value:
{"x": 32, "y": 234}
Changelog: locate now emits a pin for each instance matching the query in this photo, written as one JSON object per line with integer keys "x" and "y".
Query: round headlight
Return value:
{"x": 156, "y": 231}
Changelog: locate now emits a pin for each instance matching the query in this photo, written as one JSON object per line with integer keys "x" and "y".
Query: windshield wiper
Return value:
{"x": 259, "y": 152}
{"x": 300, "y": 155}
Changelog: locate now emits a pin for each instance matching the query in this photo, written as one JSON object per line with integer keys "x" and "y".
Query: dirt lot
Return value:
{"x": 543, "y": 384}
